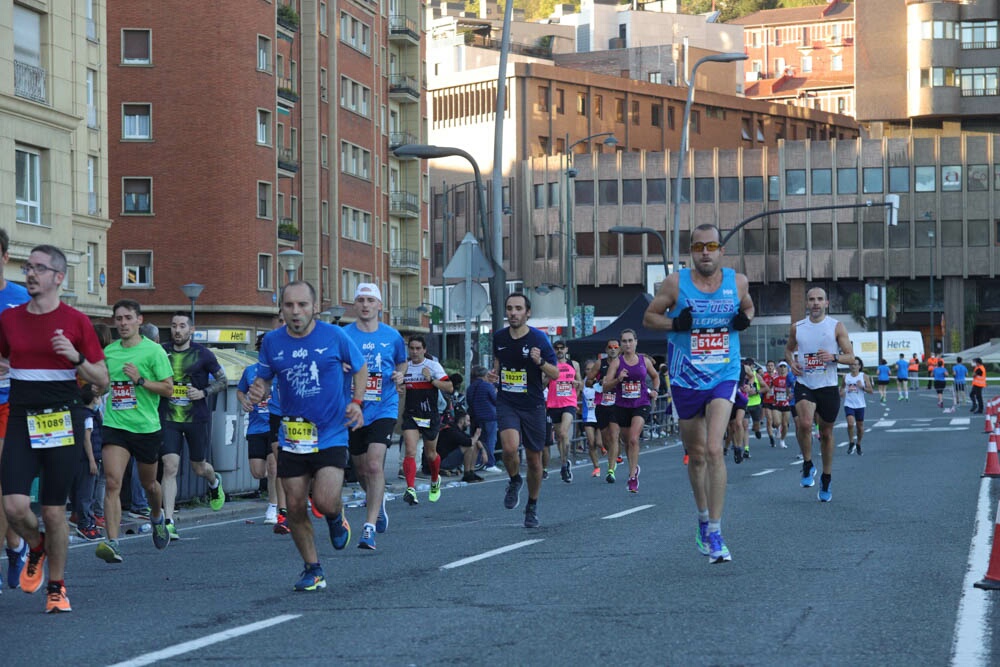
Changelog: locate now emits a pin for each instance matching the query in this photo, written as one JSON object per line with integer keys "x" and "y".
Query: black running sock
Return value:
{"x": 283, "y": 511}
{"x": 532, "y": 504}
{"x": 806, "y": 467}
{"x": 825, "y": 481}
{"x": 516, "y": 478}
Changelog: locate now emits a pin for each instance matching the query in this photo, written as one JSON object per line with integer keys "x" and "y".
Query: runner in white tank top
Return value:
{"x": 856, "y": 385}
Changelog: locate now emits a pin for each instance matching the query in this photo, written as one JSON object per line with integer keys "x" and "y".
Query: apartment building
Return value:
{"x": 54, "y": 175}
{"x": 803, "y": 55}
{"x": 251, "y": 142}
{"x": 928, "y": 67}
{"x": 949, "y": 227}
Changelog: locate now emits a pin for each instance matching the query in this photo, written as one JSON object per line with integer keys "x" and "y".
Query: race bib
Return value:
{"x": 514, "y": 381}
{"x": 123, "y": 396}
{"x": 180, "y": 395}
{"x": 813, "y": 363}
{"x": 607, "y": 398}
{"x": 852, "y": 388}
{"x": 709, "y": 346}
{"x": 780, "y": 396}
{"x": 564, "y": 389}
{"x": 631, "y": 389}
{"x": 373, "y": 388}
{"x": 50, "y": 428}
{"x": 301, "y": 436}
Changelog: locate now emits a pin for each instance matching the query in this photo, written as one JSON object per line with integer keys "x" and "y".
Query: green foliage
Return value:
{"x": 733, "y": 9}
{"x": 533, "y": 9}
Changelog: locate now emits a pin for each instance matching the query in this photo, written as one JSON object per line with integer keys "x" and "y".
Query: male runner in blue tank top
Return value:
{"x": 704, "y": 308}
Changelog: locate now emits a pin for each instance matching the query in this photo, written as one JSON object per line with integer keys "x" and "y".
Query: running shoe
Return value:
{"x": 216, "y": 496}
{"x": 434, "y": 494}
{"x": 757, "y": 434}
{"x": 746, "y": 453}
{"x": 311, "y": 579}
{"x": 99, "y": 520}
{"x": 610, "y": 479}
{"x": 718, "y": 552}
{"x": 340, "y": 531}
{"x": 597, "y": 472}
{"x": 56, "y": 601}
{"x": 619, "y": 459}
{"x": 140, "y": 513}
{"x": 161, "y": 536}
{"x": 633, "y": 481}
{"x": 738, "y": 455}
{"x": 15, "y": 563}
{"x": 382, "y": 522}
{"x": 850, "y": 447}
{"x": 367, "y": 540}
{"x": 312, "y": 508}
{"x": 530, "y": 517}
{"x": 109, "y": 552}
{"x": 33, "y": 574}
{"x": 857, "y": 449}
{"x": 512, "y": 498}
{"x": 471, "y": 478}
{"x": 545, "y": 474}
{"x": 809, "y": 478}
{"x": 566, "y": 475}
{"x": 282, "y": 528}
{"x": 783, "y": 445}
{"x": 701, "y": 538}
{"x": 271, "y": 515}
{"x": 770, "y": 437}
{"x": 90, "y": 533}
{"x": 172, "y": 529}
{"x": 410, "y": 496}
{"x": 824, "y": 496}
{"x": 492, "y": 469}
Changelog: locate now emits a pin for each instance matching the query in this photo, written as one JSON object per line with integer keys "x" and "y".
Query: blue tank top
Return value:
{"x": 710, "y": 352}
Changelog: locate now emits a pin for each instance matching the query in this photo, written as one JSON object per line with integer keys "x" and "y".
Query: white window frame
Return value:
{"x": 143, "y": 272}
{"x": 93, "y": 207}
{"x": 264, "y": 127}
{"x": 92, "y": 256}
{"x": 91, "y": 98}
{"x": 355, "y": 160}
{"x": 322, "y": 18}
{"x": 149, "y": 180}
{"x": 29, "y": 201}
{"x": 149, "y": 47}
{"x": 131, "y": 130}
{"x": 265, "y": 272}
{"x": 355, "y": 224}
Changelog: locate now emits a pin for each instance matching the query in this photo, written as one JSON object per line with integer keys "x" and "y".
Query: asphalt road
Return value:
{"x": 878, "y": 576}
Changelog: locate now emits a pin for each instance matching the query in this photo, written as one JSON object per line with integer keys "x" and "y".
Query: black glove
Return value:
{"x": 683, "y": 320}
{"x": 741, "y": 321}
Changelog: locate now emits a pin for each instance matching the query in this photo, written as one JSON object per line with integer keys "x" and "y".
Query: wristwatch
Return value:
{"x": 80, "y": 360}
{"x": 140, "y": 382}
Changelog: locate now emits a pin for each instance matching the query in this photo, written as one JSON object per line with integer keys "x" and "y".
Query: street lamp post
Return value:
{"x": 622, "y": 229}
{"x": 334, "y": 313}
{"x": 569, "y": 251}
{"x": 192, "y": 291}
{"x": 428, "y": 152}
{"x": 930, "y": 235}
{"x": 291, "y": 259}
{"x": 682, "y": 156}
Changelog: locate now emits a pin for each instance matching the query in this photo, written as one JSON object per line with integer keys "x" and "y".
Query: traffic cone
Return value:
{"x": 991, "y": 581}
{"x": 992, "y": 462}
{"x": 991, "y": 416}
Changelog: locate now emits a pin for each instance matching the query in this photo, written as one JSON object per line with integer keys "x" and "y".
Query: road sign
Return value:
{"x": 472, "y": 309}
{"x": 460, "y": 266}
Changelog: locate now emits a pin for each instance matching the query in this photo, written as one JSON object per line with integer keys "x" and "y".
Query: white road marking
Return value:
{"x": 971, "y": 643}
{"x": 627, "y": 512}
{"x": 195, "y": 644}
{"x": 489, "y": 554}
{"x": 766, "y": 471}
{"x": 842, "y": 444}
{"x": 924, "y": 429}
{"x": 960, "y": 421}
{"x": 884, "y": 423}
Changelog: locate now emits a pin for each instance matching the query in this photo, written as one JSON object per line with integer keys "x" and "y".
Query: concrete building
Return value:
{"x": 804, "y": 55}
{"x": 275, "y": 139}
{"x": 928, "y": 67}
{"x": 53, "y": 130}
{"x": 949, "y": 189}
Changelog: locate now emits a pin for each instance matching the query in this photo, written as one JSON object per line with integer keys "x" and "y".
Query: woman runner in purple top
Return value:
{"x": 627, "y": 375}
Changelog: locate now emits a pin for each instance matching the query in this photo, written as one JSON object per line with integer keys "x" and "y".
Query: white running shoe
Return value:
{"x": 271, "y": 516}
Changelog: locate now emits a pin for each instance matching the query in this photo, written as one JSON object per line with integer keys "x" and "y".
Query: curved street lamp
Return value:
{"x": 192, "y": 291}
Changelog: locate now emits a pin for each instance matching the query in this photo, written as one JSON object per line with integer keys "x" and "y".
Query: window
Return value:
{"x": 636, "y": 116}
{"x": 795, "y": 237}
{"x": 325, "y": 216}
{"x": 656, "y": 77}
{"x": 355, "y": 224}
{"x": 608, "y": 192}
{"x": 951, "y": 233}
{"x": 655, "y": 115}
{"x": 264, "y": 272}
{"x": 696, "y": 121}
{"x": 137, "y": 268}
{"x": 581, "y": 104}
{"x": 704, "y": 190}
{"x": 560, "y": 100}
{"x": 263, "y": 199}
{"x": 91, "y": 98}
{"x": 355, "y": 97}
{"x": 137, "y": 195}
{"x": 872, "y": 235}
{"x": 924, "y": 179}
{"x": 822, "y": 181}
{"x": 583, "y": 193}
{"x": 263, "y": 54}
{"x": 807, "y": 64}
{"x": 620, "y": 109}
{"x": 631, "y": 191}
{"x": 92, "y": 263}
{"x": 28, "y": 186}
{"x": 324, "y": 150}
{"x": 92, "y": 180}
{"x": 795, "y": 181}
{"x": 753, "y": 188}
{"x": 136, "y": 121}
{"x": 670, "y": 118}
{"x": 872, "y": 180}
{"x": 656, "y": 191}
{"x": 899, "y": 235}
{"x": 978, "y": 34}
{"x": 978, "y": 178}
{"x": 773, "y": 188}
{"x": 822, "y": 236}
{"x": 543, "y": 98}
{"x": 847, "y": 181}
{"x": 553, "y": 192}
{"x": 355, "y": 34}
{"x": 753, "y": 241}
{"x": 263, "y": 126}
{"x": 555, "y": 245}
{"x": 951, "y": 178}
{"x": 136, "y": 47}
{"x": 899, "y": 179}
{"x": 837, "y": 63}
{"x": 847, "y": 235}
{"x": 540, "y": 246}
{"x": 599, "y": 107}
{"x": 979, "y": 233}
{"x": 355, "y": 160}
{"x": 322, "y": 18}
{"x": 538, "y": 191}
{"x": 729, "y": 189}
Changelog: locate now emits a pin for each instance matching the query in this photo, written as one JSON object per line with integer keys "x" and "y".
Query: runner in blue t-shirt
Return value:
{"x": 385, "y": 353}
{"x": 523, "y": 362}
{"x": 960, "y": 372}
{"x": 903, "y": 378}
{"x": 263, "y": 460}
{"x": 314, "y": 363}
{"x": 883, "y": 379}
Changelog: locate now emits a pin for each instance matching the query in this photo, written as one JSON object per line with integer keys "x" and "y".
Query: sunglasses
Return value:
{"x": 612, "y": 347}
{"x": 711, "y": 246}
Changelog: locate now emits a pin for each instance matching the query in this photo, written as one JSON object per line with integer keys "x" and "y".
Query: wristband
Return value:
{"x": 357, "y": 401}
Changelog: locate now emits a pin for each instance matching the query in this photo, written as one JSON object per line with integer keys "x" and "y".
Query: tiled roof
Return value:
{"x": 791, "y": 85}
{"x": 840, "y": 11}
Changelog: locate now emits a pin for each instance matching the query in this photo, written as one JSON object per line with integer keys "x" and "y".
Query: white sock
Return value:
{"x": 703, "y": 516}
{"x": 20, "y": 544}
{"x": 715, "y": 527}
{"x": 272, "y": 506}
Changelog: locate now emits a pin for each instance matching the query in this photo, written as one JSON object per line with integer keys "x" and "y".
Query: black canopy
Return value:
{"x": 653, "y": 343}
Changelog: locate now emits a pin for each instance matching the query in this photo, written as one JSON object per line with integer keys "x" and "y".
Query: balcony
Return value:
{"x": 397, "y": 139}
{"x": 286, "y": 90}
{"x": 288, "y": 230}
{"x": 288, "y": 18}
{"x": 404, "y": 87}
{"x": 403, "y": 28}
{"x": 405, "y": 204}
{"x": 29, "y": 82}
{"x": 405, "y": 261}
{"x": 406, "y": 317}
{"x": 286, "y": 159}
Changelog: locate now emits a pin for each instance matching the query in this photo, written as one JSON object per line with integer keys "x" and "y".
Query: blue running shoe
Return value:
{"x": 824, "y": 496}
{"x": 382, "y": 522}
{"x": 15, "y": 563}
{"x": 701, "y": 538}
{"x": 311, "y": 579}
{"x": 340, "y": 531}
{"x": 367, "y": 540}
{"x": 512, "y": 497}
{"x": 809, "y": 478}
{"x": 718, "y": 552}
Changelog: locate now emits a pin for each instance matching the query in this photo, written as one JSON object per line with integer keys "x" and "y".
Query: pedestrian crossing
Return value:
{"x": 917, "y": 424}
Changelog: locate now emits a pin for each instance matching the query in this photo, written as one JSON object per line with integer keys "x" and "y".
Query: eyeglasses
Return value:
{"x": 711, "y": 246}
{"x": 612, "y": 347}
{"x": 37, "y": 269}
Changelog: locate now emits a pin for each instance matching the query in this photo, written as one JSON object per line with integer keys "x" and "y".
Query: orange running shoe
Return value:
{"x": 316, "y": 512}
{"x": 33, "y": 574}
{"x": 57, "y": 601}
{"x": 686, "y": 459}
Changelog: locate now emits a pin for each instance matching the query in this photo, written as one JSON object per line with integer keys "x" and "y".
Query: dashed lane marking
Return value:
{"x": 488, "y": 554}
{"x": 627, "y": 512}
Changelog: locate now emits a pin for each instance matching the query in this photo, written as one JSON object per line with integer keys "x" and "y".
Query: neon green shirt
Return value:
{"x": 131, "y": 408}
